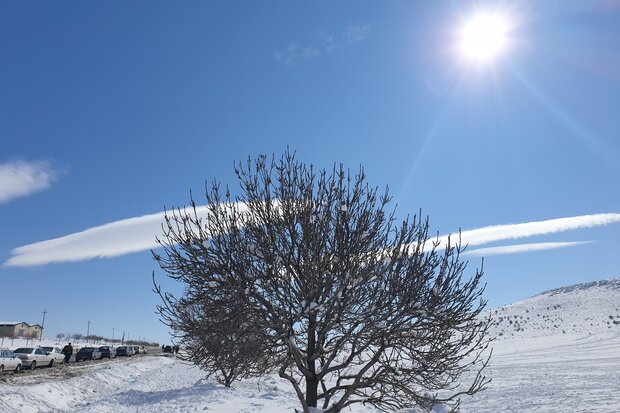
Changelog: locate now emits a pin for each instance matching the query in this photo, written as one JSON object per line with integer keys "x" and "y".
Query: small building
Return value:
{"x": 20, "y": 329}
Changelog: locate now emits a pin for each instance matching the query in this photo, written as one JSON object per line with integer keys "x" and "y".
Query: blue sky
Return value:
{"x": 114, "y": 110}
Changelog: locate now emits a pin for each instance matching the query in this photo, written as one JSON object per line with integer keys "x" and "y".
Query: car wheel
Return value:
{"x": 17, "y": 368}
{"x": 51, "y": 363}
{"x": 33, "y": 365}
{"x": 1, "y": 369}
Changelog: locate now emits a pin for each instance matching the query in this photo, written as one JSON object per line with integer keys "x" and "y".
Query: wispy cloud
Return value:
{"x": 355, "y": 33}
{"x": 138, "y": 234}
{"x": 519, "y": 248}
{"x": 296, "y": 51}
{"x": 322, "y": 42}
{"x": 21, "y": 178}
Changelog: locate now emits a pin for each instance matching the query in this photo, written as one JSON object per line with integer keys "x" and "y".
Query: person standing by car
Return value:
{"x": 67, "y": 351}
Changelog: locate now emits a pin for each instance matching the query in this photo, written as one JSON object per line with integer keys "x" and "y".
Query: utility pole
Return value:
{"x": 42, "y": 325}
{"x": 123, "y": 339}
{"x": 88, "y": 331}
{"x": 113, "y": 334}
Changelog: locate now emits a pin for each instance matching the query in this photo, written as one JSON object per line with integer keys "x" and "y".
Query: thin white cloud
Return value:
{"x": 21, "y": 178}
{"x": 519, "y": 248}
{"x": 138, "y": 234}
{"x": 328, "y": 40}
{"x": 323, "y": 42}
{"x": 486, "y": 235}
{"x": 294, "y": 52}
{"x": 355, "y": 33}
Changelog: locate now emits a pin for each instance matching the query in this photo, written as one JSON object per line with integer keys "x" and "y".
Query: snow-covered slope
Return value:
{"x": 581, "y": 309}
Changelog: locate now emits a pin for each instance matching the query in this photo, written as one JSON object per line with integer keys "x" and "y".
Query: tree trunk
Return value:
{"x": 312, "y": 383}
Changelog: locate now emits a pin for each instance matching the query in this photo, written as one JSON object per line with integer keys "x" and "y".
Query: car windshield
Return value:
{"x": 23, "y": 350}
{"x": 48, "y": 349}
{"x": 87, "y": 349}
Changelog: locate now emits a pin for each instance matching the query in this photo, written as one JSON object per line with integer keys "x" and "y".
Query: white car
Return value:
{"x": 33, "y": 357}
{"x": 55, "y": 352}
{"x": 139, "y": 349}
{"x": 9, "y": 361}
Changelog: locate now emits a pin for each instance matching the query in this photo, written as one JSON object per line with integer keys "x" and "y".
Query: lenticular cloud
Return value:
{"x": 138, "y": 234}
{"x": 519, "y": 248}
{"x": 109, "y": 240}
{"x": 494, "y": 233}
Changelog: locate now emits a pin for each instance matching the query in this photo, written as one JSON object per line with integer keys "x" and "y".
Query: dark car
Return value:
{"x": 107, "y": 352}
{"x": 168, "y": 349}
{"x": 124, "y": 351}
{"x": 88, "y": 353}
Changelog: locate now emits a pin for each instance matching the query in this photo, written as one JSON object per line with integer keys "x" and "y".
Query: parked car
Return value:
{"x": 88, "y": 353}
{"x": 9, "y": 361}
{"x": 55, "y": 352}
{"x": 33, "y": 357}
{"x": 139, "y": 349}
{"x": 124, "y": 351}
{"x": 107, "y": 352}
{"x": 167, "y": 349}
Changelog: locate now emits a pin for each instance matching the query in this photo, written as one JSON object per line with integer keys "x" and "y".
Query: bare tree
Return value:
{"x": 77, "y": 337}
{"x": 350, "y": 304}
{"x": 60, "y": 336}
{"x": 95, "y": 339}
{"x": 219, "y": 335}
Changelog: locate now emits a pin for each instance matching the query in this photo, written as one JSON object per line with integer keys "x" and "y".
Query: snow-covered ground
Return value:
{"x": 147, "y": 384}
{"x": 565, "y": 373}
{"x": 14, "y": 343}
{"x": 554, "y": 362}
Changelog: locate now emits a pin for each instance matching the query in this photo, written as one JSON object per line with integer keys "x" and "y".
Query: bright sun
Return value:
{"x": 483, "y": 37}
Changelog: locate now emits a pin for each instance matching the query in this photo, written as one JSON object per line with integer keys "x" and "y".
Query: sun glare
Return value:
{"x": 483, "y": 37}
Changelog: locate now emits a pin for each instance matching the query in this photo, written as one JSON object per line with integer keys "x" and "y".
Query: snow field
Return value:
{"x": 552, "y": 374}
{"x": 96, "y": 382}
{"x": 565, "y": 373}
{"x": 564, "y": 358}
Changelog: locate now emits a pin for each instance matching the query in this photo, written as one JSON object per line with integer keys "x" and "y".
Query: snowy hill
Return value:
{"x": 581, "y": 309}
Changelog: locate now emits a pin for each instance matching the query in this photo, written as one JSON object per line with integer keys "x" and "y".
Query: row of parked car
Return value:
{"x": 98, "y": 353}
{"x": 33, "y": 357}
